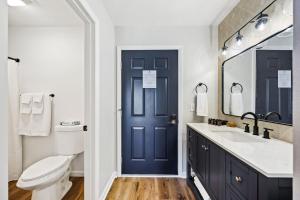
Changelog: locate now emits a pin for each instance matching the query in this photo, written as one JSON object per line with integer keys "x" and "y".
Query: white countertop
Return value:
{"x": 273, "y": 158}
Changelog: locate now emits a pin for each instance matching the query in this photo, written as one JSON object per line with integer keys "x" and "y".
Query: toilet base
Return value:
{"x": 54, "y": 192}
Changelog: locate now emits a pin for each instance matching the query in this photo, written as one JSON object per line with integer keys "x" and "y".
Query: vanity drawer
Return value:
{"x": 240, "y": 178}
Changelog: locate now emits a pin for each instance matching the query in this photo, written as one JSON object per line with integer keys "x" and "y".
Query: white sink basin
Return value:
{"x": 238, "y": 137}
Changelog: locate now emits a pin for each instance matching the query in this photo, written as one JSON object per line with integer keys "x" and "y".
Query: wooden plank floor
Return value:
{"x": 150, "y": 189}
{"x": 75, "y": 193}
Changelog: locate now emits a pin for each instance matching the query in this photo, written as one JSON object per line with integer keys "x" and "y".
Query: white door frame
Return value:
{"x": 119, "y": 102}
{"x": 91, "y": 60}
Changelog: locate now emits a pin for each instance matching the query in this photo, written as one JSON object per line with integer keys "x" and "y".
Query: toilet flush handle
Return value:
{"x": 85, "y": 128}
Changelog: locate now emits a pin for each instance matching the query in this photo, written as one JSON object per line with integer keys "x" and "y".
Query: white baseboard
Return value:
{"x": 181, "y": 175}
{"x": 108, "y": 186}
{"x": 77, "y": 174}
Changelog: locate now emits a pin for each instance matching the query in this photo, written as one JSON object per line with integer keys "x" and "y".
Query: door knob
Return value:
{"x": 238, "y": 179}
{"x": 173, "y": 119}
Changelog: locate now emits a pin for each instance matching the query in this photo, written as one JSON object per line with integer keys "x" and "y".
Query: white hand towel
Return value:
{"x": 236, "y": 104}
{"x": 25, "y": 114}
{"x": 37, "y": 104}
{"x": 202, "y": 104}
{"x": 41, "y": 124}
{"x": 25, "y": 103}
{"x": 37, "y": 125}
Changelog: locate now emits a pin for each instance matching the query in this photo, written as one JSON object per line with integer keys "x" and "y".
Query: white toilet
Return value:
{"x": 49, "y": 178}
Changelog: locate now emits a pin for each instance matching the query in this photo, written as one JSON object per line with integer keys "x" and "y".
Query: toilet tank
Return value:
{"x": 69, "y": 140}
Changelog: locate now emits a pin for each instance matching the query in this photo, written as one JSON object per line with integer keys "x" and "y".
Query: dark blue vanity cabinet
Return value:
{"x": 192, "y": 151}
{"x": 225, "y": 177}
{"x": 201, "y": 161}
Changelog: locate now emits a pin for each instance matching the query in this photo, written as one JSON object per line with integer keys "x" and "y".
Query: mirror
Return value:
{"x": 259, "y": 79}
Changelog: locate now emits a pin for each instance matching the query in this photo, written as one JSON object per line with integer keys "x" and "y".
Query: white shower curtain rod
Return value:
{"x": 15, "y": 59}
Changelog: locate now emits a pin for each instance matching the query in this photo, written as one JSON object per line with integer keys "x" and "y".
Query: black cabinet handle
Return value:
{"x": 204, "y": 147}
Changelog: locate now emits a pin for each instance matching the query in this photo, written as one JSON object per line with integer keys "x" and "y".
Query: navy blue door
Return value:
{"x": 149, "y": 124}
{"x": 269, "y": 97}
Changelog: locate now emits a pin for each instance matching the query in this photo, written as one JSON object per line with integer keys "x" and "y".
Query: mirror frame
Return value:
{"x": 223, "y": 90}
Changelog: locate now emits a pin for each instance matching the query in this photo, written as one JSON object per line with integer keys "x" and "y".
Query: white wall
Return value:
{"x": 3, "y": 102}
{"x": 199, "y": 61}
{"x": 296, "y": 100}
{"x": 105, "y": 152}
{"x": 52, "y": 60}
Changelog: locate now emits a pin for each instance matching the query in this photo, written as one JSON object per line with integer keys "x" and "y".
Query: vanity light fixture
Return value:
{"x": 224, "y": 50}
{"x": 239, "y": 38}
{"x": 261, "y": 21}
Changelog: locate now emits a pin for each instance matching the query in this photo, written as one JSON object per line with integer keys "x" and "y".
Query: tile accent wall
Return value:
{"x": 281, "y": 15}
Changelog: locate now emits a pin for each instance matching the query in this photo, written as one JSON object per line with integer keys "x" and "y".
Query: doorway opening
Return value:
{"x": 54, "y": 42}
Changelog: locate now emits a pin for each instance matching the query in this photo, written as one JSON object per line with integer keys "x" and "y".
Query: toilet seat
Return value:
{"x": 44, "y": 172}
{"x": 44, "y": 167}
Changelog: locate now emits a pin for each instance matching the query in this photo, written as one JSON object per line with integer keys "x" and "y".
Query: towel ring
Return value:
{"x": 200, "y": 85}
{"x": 236, "y": 84}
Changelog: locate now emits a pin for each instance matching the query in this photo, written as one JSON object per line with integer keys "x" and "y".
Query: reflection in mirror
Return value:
{"x": 259, "y": 80}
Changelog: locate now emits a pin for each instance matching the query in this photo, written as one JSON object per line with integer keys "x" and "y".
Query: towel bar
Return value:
{"x": 50, "y": 95}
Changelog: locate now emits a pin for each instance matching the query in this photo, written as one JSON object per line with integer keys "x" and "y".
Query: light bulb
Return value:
{"x": 224, "y": 50}
{"x": 261, "y": 27}
{"x": 239, "y": 39}
{"x": 261, "y": 21}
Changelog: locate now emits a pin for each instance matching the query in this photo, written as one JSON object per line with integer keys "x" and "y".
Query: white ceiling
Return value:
{"x": 44, "y": 13}
{"x": 167, "y": 12}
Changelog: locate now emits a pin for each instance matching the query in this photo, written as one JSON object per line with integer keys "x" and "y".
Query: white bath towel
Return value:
{"x": 202, "y": 104}
{"x": 236, "y": 104}
{"x": 25, "y": 103}
{"x": 37, "y": 104}
{"x": 37, "y": 124}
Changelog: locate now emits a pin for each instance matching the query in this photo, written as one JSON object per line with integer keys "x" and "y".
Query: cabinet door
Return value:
{"x": 216, "y": 171}
{"x": 189, "y": 145}
{"x": 230, "y": 195}
{"x": 241, "y": 178}
{"x": 192, "y": 145}
{"x": 201, "y": 158}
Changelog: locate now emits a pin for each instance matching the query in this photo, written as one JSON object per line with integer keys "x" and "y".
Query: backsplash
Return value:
{"x": 282, "y": 17}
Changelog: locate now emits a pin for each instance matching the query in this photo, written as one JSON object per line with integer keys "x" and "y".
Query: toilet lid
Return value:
{"x": 44, "y": 167}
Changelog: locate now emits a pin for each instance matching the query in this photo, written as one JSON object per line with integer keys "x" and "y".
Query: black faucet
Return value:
{"x": 255, "y": 127}
{"x": 272, "y": 113}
